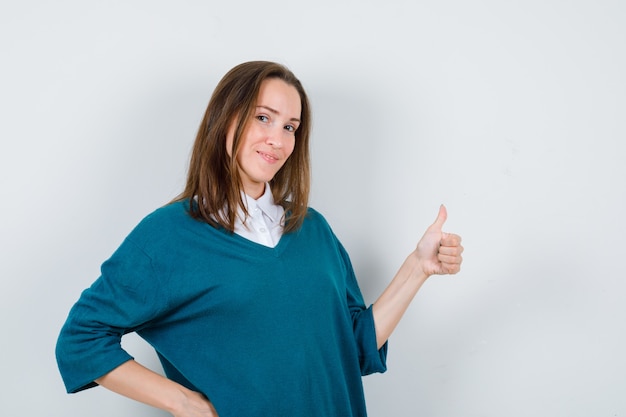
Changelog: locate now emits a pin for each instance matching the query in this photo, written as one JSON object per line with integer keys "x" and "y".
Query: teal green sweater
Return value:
{"x": 260, "y": 331}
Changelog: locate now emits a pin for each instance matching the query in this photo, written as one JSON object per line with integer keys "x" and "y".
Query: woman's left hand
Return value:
{"x": 438, "y": 252}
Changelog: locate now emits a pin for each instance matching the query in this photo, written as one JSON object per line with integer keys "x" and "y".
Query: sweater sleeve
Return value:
{"x": 123, "y": 299}
{"x": 371, "y": 359}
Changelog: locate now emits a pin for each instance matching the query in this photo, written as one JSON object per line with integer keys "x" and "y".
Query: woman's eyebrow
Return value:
{"x": 271, "y": 110}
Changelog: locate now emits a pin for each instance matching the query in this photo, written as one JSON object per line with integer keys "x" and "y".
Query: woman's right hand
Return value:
{"x": 195, "y": 405}
{"x": 135, "y": 381}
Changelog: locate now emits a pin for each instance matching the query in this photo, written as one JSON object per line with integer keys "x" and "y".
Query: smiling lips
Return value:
{"x": 268, "y": 157}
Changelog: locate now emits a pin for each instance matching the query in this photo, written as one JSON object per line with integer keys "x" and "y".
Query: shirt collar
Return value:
{"x": 265, "y": 203}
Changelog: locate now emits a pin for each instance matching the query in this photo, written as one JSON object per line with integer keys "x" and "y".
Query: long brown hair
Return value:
{"x": 213, "y": 182}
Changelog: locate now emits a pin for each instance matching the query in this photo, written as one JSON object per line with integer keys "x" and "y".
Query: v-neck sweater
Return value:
{"x": 260, "y": 331}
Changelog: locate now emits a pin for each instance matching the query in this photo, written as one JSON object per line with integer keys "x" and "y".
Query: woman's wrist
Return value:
{"x": 191, "y": 403}
{"x": 180, "y": 400}
{"x": 416, "y": 267}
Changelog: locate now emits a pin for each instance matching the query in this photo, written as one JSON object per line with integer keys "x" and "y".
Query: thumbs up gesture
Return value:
{"x": 438, "y": 252}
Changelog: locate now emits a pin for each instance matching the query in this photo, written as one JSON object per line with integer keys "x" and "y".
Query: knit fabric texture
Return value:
{"x": 260, "y": 331}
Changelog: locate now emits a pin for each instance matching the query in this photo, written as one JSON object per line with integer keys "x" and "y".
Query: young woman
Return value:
{"x": 245, "y": 293}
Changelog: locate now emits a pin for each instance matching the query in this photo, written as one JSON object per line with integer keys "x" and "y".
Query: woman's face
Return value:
{"x": 269, "y": 137}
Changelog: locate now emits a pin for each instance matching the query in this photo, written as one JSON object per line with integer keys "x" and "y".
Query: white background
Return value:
{"x": 509, "y": 112}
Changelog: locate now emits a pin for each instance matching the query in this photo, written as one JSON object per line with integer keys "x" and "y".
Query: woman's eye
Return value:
{"x": 262, "y": 118}
{"x": 290, "y": 128}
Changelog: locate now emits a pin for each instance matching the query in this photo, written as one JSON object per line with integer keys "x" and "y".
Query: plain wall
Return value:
{"x": 510, "y": 113}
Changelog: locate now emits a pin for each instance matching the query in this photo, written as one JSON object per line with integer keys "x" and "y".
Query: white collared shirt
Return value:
{"x": 264, "y": 224}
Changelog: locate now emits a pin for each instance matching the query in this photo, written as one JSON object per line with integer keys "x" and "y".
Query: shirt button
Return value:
{"x": 262, "y": 230}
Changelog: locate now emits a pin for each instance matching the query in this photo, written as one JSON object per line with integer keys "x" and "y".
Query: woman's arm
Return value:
{"x": 134, "y": 381}
{"x": 436, "y": 253}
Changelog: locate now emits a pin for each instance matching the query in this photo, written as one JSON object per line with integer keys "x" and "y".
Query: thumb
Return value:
{"x": 441, "y": 217}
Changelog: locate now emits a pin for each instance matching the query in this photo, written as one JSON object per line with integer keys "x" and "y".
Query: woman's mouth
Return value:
{"x": 268, "y": 157}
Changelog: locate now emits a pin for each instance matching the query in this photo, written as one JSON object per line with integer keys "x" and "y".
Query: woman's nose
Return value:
{"x": 274, "y": 137}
